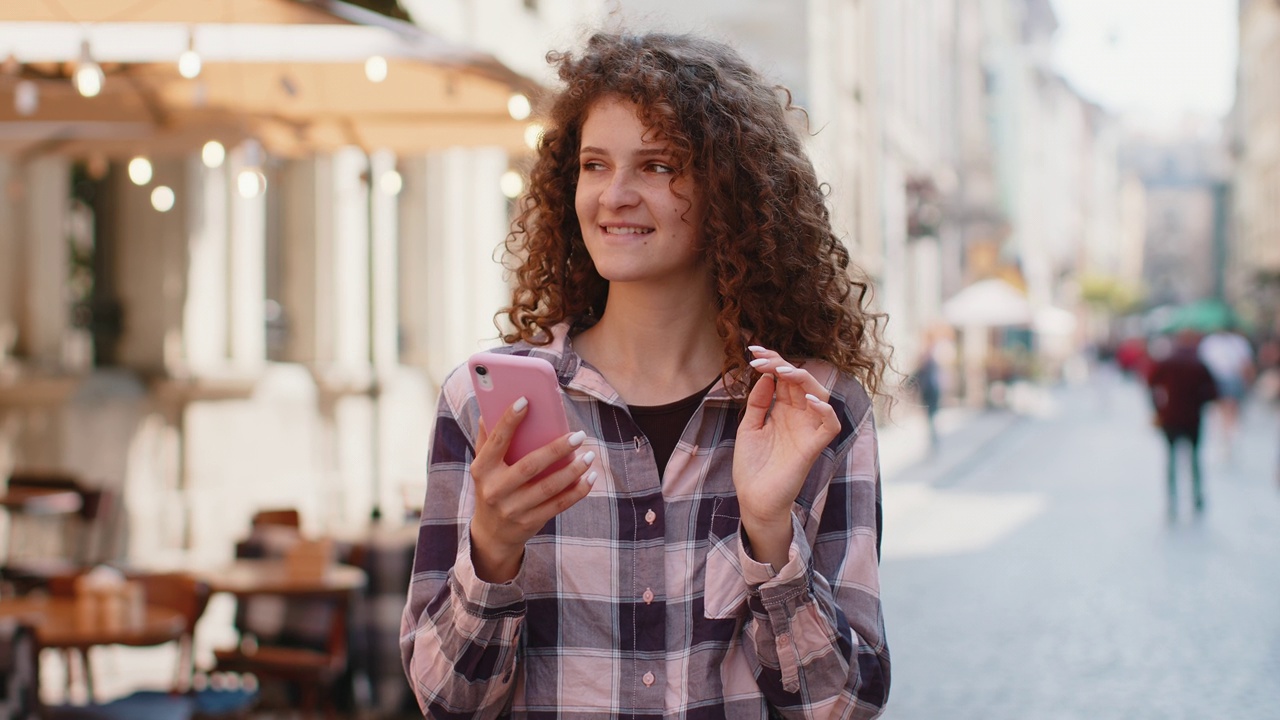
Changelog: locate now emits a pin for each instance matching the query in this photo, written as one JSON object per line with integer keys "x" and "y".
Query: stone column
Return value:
{"x": 44, "y": 311}
{"x": 413, "y": 270}
{"x": 383, "y": 255}
{"x": 10, "y": 258}
{"x": 466, "y": 222}
{"x": 205, "y": 313}
{"x": 150, "y": 264}
{"x": 247, "y": 333}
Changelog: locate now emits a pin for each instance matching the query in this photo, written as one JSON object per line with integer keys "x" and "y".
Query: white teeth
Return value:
{"x": 627, "y": 231}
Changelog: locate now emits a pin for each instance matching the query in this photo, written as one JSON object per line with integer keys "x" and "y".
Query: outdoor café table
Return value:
{"x": 247, "y": 577}
{"x": 59, "y": 624}
{"x": 318, "y": 604}
{"x": 41, "y": 501}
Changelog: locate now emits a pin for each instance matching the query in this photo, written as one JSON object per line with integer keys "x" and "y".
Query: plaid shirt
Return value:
{"x": 641, "y": 600}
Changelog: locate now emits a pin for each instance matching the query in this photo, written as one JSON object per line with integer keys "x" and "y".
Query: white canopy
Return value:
{"x": 988, "y": 303}
{"x": 292, "y": 74}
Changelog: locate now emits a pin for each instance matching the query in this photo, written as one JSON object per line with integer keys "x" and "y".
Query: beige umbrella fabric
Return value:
{"x": 288, "y": 73}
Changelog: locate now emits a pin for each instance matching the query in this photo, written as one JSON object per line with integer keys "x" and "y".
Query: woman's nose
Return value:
{"x": 620, "y": 191}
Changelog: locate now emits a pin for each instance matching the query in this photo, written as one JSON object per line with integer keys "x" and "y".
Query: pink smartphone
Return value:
{"x": 499, "y": 380}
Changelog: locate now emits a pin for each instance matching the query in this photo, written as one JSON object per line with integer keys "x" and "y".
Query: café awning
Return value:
{"x": 988, "y": 303}
{"x": 298, "y": 76}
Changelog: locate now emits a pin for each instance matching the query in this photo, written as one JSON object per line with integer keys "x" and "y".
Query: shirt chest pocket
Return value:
{"x": 725, "y": 588}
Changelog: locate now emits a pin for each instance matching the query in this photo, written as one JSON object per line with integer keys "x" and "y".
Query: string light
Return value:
{"x": 532, "y": 135}
{"x": 140, "y": 170}
{"x": 189, "y": 63}
{"x": 511, "y": 184}
{"x": 518, "y": 106}
{"x": 162, "y": 198}
{"x": 390, "y": 182}
{"x": 88, "y": 77}
{"x": 212, "y": 154}
{"x": 251, "y": 183}
{"x": 375, "y": 68}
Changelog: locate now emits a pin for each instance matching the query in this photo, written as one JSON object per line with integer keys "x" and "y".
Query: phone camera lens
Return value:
{"x": 482, "y": 370}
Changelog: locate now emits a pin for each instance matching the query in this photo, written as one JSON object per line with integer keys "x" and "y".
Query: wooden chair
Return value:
{"x": 79, "y": 531}
{"x": 280, "y": 517}
{"x": 309, "y": 655}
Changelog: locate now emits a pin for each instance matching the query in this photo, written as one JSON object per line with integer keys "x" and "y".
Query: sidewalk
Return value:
{"x": 963, "y": 433}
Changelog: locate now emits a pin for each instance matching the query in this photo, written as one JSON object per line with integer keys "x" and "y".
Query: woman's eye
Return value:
{"x": 660, "y": 168}
{"x": 592, "y": 165}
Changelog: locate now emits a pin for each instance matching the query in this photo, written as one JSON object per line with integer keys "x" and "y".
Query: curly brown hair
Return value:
{"x": 783, "y": 279}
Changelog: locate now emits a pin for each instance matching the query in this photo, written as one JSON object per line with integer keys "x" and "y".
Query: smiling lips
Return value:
{"x": 625, "y": 230}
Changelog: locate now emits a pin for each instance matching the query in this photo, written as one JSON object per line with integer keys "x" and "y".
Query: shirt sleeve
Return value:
{"x": 816, "y": 630}
{"x": 459, "y": 636}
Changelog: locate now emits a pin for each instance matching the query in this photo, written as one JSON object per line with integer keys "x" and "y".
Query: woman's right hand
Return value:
{"x": 510, "y": 509}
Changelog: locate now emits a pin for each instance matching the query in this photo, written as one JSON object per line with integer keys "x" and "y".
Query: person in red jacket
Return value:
{"x": 1181, "y": 386}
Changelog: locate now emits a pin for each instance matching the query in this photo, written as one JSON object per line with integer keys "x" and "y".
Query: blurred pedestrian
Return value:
{"x": 712, "y": 548}
{"x": 1181, "y": 385}
{"x": 1229, "y": 358}
{"x": 927, "y": 381}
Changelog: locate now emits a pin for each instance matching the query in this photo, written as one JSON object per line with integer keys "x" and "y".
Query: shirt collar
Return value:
{"x": 572, "y": 372}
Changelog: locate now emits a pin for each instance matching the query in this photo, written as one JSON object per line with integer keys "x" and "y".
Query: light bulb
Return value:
{"x": 532, "y": 135}
{"x": 375, "y": 68}
{"x": 251, "y": 183}
{"x": 212, "y": 154}
{"x": 88, "y": 77}
{"x": 511, "y": 184}
{"x": 162, "y": 198}
{"x": 518, "y": 107}
{"x": 390, "y": 182}
{"x": 189, "y": 64}
{"x": 140, "y": 170}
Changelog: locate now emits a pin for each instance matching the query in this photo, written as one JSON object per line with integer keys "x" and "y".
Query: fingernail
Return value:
{"x": 756, "y": 348}
{"x": 812, "y": 398}
{"x": 575, "y": 439}
{"x": 591, "y": 477}
{"x": 520, "y": 404}
{"x": 759, "y": 362}
{"x": 783, "y": 370}
{"x": 589, "y": 458}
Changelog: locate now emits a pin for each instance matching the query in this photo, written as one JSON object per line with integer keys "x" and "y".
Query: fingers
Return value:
{"x": 758, "y": 402}
{"x": 794, "y": 382}
{"x": 491, "y": 447}
{"x": 830, "y": 421}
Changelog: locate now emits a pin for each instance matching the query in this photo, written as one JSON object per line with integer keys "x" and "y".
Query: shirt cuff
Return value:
{"x": 481, "y": 598}
{"x": 758, "y": 574}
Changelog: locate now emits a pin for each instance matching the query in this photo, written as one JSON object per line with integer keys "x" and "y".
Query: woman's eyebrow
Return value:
{"x": 647, "y": 152}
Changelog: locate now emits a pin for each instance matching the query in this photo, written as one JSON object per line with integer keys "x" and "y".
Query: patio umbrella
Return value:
{"x": 1203, "y": 316}
{"x": 988, "y": 303}
{"x": 298, "y": 76}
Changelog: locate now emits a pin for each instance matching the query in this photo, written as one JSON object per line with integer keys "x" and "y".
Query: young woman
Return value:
{"x": 712, "y": 549}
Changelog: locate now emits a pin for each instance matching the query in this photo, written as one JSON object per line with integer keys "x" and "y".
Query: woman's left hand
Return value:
{"x": 787, "y": 424}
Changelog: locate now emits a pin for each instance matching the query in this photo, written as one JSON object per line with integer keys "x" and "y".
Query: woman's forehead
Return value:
{"x": 614, "y": 116}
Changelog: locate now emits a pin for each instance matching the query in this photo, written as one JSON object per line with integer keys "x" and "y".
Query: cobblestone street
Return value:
{"x": 1035, "y": 574}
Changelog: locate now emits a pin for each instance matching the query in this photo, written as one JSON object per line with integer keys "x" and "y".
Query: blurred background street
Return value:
{"x": 1037, "y": 574}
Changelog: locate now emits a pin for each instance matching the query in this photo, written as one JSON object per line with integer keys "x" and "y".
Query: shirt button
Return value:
{"x": 648, "y": 596}
{"x": 650, "y": 516}
{"x": 648, "y": 679}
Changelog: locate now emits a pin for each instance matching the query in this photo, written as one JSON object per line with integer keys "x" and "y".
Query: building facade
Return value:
{"x": 1253, "y": 270}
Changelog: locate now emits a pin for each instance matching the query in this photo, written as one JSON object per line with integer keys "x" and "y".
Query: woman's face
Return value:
{"x": 636, "y": 227}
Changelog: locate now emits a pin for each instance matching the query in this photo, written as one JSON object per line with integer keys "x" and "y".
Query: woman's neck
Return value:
{"x": 654, "y": 348}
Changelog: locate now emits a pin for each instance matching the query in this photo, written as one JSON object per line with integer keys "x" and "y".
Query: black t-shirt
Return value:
{"x": 663, "y": 424}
